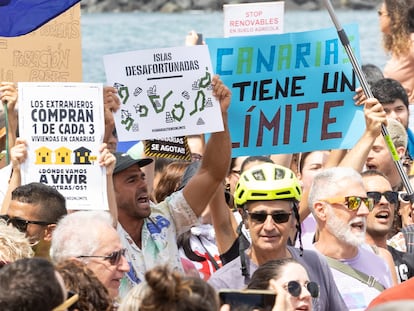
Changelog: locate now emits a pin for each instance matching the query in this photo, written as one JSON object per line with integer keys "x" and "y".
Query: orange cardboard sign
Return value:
{"x": 52, "y": 53}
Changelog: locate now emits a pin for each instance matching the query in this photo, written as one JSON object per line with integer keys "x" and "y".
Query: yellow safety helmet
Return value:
{"x": 266, "y": 182}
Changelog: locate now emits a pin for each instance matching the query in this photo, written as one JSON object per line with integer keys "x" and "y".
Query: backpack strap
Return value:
{"x": 360, "y": 276}
{"x": 210, "y": 257}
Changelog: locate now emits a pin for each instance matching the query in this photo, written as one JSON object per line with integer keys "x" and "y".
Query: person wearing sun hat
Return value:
{"x": 149, "y": 231}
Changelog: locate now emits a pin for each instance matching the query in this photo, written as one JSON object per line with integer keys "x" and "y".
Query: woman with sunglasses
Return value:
{"x": 289, "y": 275}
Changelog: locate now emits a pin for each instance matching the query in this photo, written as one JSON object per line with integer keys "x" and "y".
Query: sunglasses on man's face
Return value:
{"x": 113, "y": 258}
{"x": 352, "y": 202}
{"x": 295, "y": 288}
{"x": 278, "y": 217}
{"x": 390, "y": 196}
{"x": 21, "y": 224}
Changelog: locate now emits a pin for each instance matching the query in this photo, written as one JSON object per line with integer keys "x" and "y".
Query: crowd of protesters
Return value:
{"x": 322, "y": 230}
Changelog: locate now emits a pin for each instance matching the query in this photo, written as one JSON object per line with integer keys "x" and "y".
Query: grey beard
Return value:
{"x": 342, "y": 230}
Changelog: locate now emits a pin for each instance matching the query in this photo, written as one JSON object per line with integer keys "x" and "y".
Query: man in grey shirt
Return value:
{"x": 273, "y": 190}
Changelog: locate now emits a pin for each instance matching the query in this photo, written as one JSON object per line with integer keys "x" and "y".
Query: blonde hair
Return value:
{"x": 398, "y": 133}
{"x": 170, "y": 291}
{"x": 132, "y": 300}
{"x": 13, "y": 244}
{"x": 397, "y": 41}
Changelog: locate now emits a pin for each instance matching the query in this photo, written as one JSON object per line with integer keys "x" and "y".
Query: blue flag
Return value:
{"x": 19, "y": 17}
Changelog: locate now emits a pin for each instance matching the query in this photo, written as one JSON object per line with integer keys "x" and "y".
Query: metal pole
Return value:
{"x": 364, "y": 84}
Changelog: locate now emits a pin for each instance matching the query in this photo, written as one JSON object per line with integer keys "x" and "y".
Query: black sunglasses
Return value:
{"x": 113, "y": 258}
{"x": 278, "y": 217}
{"x": 295, "y": 288}
{"x": 21, "y": 224}
{"x": 390, "y": 196}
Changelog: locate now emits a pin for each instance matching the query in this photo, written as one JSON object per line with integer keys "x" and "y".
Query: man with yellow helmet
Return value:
{"x": 269, "y": 195}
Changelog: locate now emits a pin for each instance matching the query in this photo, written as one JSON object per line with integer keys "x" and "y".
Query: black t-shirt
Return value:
{"x": 404, "y": 263}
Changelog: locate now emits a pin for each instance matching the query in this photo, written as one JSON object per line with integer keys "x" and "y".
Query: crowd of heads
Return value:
{"x": 252, "y": 207}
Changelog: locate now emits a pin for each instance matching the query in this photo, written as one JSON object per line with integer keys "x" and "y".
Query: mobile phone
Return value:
{"x": 264, "y": 299}
{"x": 199, "y": 39}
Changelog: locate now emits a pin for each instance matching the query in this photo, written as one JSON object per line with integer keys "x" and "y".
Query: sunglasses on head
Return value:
{"x": 113, "y": 258}
{"x": 352, "y": 202}
{"x": 278, "y": 217}
{"x": 404, "y": 197}
{"x": 390, "y": 196}
{"x": 295, "y": 288}
{"x": 21, "y": 224}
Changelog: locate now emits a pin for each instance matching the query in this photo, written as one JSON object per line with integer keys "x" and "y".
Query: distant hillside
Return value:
{"x": 212, "y": 5}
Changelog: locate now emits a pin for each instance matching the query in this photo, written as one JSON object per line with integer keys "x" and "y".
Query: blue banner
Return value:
{"x": 19, "y": 17}
{"x": 291, "y": 92}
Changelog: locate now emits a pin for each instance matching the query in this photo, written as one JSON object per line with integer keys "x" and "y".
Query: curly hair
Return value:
{"x": 397, "y": 41}
{"x": 93, "y": 295}
{"x": 132, "y": 300}
{"x": 171, "y": 291}
{"x": 170, "y": 180}
{"x": 13, "y": 244}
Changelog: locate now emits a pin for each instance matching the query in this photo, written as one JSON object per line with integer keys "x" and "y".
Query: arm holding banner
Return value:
{"x": 335, "y": 157}
{"x": 193, "y": 38}
{"x": 216, "y": 159}
{"x": 224, "y": 222}
{"x": 111, "y": 105}
{"x": 107, "y": 160}
{"x": 356, "y": 157}
{"x": 18, "y": 154}
{"x": 8, "y": 97}
{"x": 375, "y": 116}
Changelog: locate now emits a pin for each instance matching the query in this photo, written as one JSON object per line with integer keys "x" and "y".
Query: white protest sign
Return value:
{"x": 164, "y": 93}
{"x": 63, "y": 124}
{"x": 248, "y": 19}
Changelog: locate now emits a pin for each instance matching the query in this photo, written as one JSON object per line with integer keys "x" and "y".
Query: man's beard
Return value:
{"x": 343, "y": 231}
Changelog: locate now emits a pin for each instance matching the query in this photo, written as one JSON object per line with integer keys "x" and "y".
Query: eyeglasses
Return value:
{"x": 68, "y": 304}
{"x": 277, "y": 217}
{"x": 404, "y": 197}
{"x": 113, "y": 258}
{"x": 352, "y": 202}
{"x": 295, "y": 288}
{"x": 196, "y": 157}
{"x": 21, "y": 224}
{"x": 390, "y": 196}
{"x": 381, "y": 13}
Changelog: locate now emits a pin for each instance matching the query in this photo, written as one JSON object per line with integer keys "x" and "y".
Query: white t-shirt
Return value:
{"x": 358, "y": 295}
{"x": 5, "y": 174}
{"x": 159, "y": 234}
